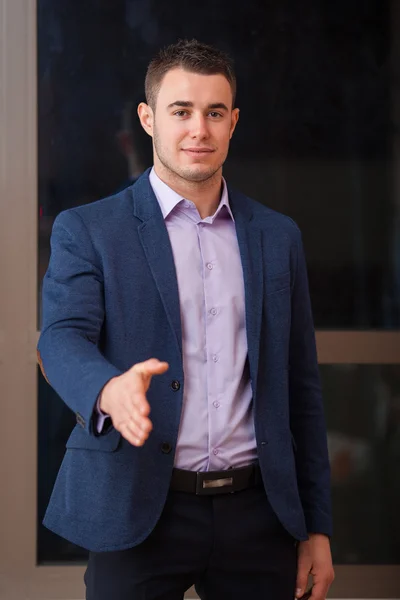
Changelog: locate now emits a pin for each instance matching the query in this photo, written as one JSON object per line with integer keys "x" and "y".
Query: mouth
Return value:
{"x": 198, "y": 152}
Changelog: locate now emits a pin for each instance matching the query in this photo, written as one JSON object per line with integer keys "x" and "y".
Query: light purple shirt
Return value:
{"x": 217, "y": 425}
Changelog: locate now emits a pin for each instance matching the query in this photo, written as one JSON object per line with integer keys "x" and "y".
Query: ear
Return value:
{"x": 234, "y": 120}
{"x": 146, "y": 117}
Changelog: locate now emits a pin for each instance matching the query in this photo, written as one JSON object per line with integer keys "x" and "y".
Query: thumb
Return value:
{"x": 149, "y": 367}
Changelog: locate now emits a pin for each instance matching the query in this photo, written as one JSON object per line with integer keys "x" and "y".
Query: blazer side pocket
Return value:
{"x": 277, "y": 283}
{"x": 80, "y": 439}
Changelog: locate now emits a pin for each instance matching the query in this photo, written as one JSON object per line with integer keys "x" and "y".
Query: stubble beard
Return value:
{"x": 187, "y": 174}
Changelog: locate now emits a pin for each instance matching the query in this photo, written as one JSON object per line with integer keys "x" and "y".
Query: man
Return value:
{"x": 177, "y": 326}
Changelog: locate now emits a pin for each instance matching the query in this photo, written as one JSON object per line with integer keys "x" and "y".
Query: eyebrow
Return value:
{"x": 185, "y": 104}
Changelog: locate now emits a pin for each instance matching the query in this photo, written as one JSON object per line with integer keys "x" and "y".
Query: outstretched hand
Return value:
{"x": 124, "y": 399}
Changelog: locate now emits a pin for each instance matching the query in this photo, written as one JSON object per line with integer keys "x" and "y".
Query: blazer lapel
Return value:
{"x": 157, "y": 247}
{"x": 250, "y": 246}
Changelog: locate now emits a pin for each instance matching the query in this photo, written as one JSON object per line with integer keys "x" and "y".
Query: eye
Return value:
{"x": 214, "y": 114}
{"x": 180, "y": 113}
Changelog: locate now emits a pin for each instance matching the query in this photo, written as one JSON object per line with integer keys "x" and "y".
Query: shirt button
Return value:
{"x": 213, "y": 311}
{"x": 215, "y": 358}
{"x": 216, "y": 404}
{"x": 209, "y": 266}
{"x": 175, "y": 385}
{"x": 215, "y": 451}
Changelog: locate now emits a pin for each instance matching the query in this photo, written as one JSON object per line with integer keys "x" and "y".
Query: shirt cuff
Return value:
{"x": 99, "y": 417}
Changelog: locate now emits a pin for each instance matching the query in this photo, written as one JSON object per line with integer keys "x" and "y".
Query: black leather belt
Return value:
{"x": 205, "y": 483}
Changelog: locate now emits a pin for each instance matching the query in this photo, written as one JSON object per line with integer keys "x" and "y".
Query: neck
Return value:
{"x": 206, "y": 195}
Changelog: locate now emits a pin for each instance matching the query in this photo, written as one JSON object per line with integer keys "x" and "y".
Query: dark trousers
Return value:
{"x": 230, "y": 546}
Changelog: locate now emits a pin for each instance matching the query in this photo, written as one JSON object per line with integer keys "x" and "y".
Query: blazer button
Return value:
{"x": 175, "y": 385}
{"x": 166, "y": 448}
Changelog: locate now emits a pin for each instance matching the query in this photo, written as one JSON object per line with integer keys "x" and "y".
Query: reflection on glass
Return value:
{"x": 317, "y": 139}
{"x": 55, "y": 423}
{"x": 362, "y": 404}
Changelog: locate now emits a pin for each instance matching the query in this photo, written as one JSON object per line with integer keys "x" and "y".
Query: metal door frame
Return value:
{"x": 20, "y": 577}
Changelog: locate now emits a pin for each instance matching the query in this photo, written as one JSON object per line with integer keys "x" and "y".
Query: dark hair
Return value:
{"x": 193, "y": 56}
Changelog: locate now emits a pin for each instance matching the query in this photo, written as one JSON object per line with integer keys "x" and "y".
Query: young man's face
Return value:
{"x": 192, "y": 124}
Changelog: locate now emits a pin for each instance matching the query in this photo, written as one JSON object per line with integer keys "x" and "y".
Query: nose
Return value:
{"x": 199, "y": 127}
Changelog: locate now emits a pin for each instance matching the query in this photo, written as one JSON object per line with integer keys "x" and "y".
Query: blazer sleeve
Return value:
{"x": 307, "y": 421}
{"x": 73, "y": 315}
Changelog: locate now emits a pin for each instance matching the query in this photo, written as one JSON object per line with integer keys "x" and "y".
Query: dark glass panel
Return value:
{"x": 362, "y": 404}
{"x": 316, "y": 140}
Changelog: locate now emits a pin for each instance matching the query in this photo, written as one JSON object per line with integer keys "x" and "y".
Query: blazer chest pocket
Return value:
{"x": 277, "y": 283}
{"x": 80, "y": 439}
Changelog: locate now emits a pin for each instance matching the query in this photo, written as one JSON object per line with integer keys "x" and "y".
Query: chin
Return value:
{"x": 200, "y": 173}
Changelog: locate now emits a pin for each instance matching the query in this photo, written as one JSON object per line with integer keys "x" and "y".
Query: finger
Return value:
{"x": 131, "y": 413}
{"x": 303, "y": 571}
{"x": 133, "y": 434}
{"x": 320, "y": 590}
{"x": 141, "y": 426}
{"x": 127, "y": 434}
{"x": 142, "y": 423}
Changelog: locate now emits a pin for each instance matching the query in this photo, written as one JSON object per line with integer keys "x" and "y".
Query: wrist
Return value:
{"x": 103, "y": 400}
{"x": 316, "y": 536}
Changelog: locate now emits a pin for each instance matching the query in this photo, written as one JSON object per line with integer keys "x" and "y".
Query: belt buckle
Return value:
{"x": 209, "y": 482}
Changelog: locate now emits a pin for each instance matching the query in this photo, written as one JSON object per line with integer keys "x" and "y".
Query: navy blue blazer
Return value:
{"x": 110, "y": 300}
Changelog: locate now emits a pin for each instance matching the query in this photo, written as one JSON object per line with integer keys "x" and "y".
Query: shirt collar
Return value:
{"x": 168, "y": 199}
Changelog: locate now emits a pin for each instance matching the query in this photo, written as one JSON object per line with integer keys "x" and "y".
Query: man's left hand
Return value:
{"x": 314, "y": 557}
